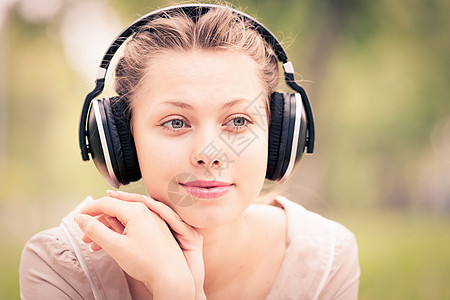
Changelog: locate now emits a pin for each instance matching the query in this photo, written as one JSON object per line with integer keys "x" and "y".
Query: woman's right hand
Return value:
{"x": 146, "y": 248}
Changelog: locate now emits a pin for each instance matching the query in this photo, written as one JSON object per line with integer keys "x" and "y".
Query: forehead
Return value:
{"x": 200, "y": 77}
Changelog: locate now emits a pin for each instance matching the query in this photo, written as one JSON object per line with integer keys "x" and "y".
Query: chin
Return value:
{"x": 203, "y": 213}
{"x": 208, "y": 220}
{"x": 211, "y": 214}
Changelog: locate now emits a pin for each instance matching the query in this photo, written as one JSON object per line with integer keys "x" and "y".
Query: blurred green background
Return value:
{"x": 377, "y": 73}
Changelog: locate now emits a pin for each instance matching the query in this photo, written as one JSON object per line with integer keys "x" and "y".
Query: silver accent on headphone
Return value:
{"x": 101, "y": 73}
{"x": 112, "y": 177}
{"x": 298, "y": 115}
{"x": 288, "y": 68}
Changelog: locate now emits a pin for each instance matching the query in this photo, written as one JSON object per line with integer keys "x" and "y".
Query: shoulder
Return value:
{"x": 48, "y": 266}
{"x": 305, "y": 224}
{"x": 56, "y": 264}
{"x": 50, "y": 247}
{"x": 302, "y": 222}
{"x": 47, "y": 243}
{"x": 321, "y": 253}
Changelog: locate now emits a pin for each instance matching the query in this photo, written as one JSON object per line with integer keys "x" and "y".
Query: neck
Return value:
{"x": 226, "y": 250}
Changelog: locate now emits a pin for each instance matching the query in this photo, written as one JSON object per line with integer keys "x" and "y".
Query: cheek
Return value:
{"x": 159, "y": 161}
{"x": 252, "y": 163}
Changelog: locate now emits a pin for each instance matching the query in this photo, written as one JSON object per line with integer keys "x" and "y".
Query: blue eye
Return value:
{"x": 177, "y": 123}
{"x": 174, "y": 124}
{"x": 238, "y": 123}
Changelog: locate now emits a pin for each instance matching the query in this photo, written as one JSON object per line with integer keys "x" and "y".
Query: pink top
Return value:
{"x": 321, "y": 262}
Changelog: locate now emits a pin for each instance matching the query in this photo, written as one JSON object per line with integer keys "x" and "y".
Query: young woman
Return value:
{"x": 197, "y": 90}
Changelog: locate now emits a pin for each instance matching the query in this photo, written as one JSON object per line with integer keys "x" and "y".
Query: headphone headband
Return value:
{"x": 193, "y": 11}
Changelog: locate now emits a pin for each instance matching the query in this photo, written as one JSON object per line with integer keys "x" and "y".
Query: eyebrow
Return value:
{"x": 178, "y": 104}
{"x": 184, "y": 105}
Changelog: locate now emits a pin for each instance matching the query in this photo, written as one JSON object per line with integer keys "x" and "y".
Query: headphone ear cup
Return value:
{"x": 99, "y": 142}
{"x": 123, "y": 142}
{"x": 287, "y": 135}
{"x": 111, "y": 143}
{"x": 277, "y": 134}
{"x": 298, "y": 125}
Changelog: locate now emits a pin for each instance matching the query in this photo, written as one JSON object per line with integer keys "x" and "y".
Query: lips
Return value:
{"x": 206, "y": 189}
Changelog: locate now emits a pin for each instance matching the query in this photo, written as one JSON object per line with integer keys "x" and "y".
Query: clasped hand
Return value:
{"x": 149, "y": 241}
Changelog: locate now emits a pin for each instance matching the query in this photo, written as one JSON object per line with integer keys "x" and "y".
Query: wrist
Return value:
{"x": 200, "y": 295}
{"x": 178, "y": 291}
{"x": 173, "y": 286}
{"x": 199, "y": 292}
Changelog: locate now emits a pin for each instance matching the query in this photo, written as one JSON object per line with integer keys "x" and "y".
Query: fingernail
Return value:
{"x": 110, "y": 191}
{"x": 148, "y": 198}
{"x": 81, "y": 220}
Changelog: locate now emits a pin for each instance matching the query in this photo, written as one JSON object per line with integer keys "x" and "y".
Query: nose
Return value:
{"x": 212, "y": 163}
{"x": 207, "y": 151}
{"x": 209, "y": 155}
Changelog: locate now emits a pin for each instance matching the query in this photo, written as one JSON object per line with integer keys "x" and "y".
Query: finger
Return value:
{"x": 109, "y": 206}
{"x": 158, "y": 207}
{"x": 171, "y": 217}
{"x": 133, "y": 197}
{"x": 162, "y": 209}
{"x": 101, "y": 218}
{"x": 191, "y": 242}
{"x": 86, "y": 239}
{"x": 115, "y": 224}
{"x": 97, "y": 231}
{"x": 96, "y": 247}
{"x": 165, "y": 212}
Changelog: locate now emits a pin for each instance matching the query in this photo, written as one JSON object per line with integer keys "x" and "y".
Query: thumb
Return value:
{"x": 96, "y": 231}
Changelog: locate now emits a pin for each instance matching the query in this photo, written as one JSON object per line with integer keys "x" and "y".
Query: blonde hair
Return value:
{"x": 218, "y": 29}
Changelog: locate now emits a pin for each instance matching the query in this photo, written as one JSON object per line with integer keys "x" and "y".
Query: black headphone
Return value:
{"x": 106, "y": 127}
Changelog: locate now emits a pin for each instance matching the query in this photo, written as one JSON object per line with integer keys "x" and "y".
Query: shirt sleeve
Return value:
{"x": 49, "y": 269}
{"x": 343, "y": 280}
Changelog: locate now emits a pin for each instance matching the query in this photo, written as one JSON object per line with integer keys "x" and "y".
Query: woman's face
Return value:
{"x": 201, "y": 134}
